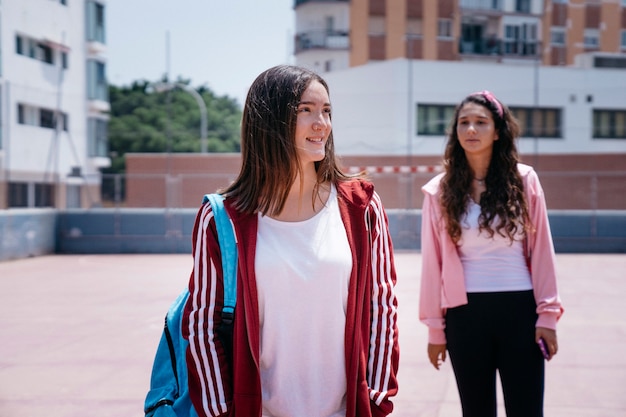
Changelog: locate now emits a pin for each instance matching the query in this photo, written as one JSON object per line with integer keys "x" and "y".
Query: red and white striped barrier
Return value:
{"x": 397, "y": 169}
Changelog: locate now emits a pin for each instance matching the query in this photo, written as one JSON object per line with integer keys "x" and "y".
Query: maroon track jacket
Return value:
{"x": 371, "y": 345}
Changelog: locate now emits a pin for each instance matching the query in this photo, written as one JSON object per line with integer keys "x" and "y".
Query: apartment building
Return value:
{"x": 337, "y": 34}
{"x": 560, "y": 66}
{"x": 397, "y": 68}
{"x": 53, "y": 102}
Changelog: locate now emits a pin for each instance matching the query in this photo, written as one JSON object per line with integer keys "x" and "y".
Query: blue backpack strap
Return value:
{"x": 228, "y": 247}
{"x": 169, "y": 394}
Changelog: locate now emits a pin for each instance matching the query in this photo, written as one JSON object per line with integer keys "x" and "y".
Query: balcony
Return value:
{"x": 482, "y": 5}
{"x": 322, "y": 39}
{"x": 506, "y": 48}
{"x": 297, "y": 3}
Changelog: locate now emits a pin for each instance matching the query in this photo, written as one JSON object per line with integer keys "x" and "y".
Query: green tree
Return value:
{"x": 144, "y": 120}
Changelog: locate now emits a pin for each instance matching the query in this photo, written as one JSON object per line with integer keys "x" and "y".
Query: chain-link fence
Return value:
{"x": 564, "y": 190}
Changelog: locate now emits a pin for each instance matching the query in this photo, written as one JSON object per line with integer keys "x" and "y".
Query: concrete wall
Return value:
{"x": 33, "y": 232}
{"x": 125, "y": 231}
{"x": 27, "y": 232}
{"x": 163, "y": 231}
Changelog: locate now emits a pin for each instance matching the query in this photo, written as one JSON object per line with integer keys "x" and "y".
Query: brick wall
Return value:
{"x": 586, "y": 182}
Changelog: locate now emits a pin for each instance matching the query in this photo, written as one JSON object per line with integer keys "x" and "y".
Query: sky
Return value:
{"x": 223, "y": 44}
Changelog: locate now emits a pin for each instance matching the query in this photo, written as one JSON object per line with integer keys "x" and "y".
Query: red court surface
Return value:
{"x": 78, "y": 335}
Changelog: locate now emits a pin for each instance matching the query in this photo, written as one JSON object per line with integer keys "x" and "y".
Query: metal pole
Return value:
{"x": 535, "y": 115}
{"x": 203, "y": 116}
{"x": 409, "y": 127}
{"x": 201, "y": 104}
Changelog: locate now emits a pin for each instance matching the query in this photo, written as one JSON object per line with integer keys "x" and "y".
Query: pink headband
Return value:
{"x": 492, "y": 99}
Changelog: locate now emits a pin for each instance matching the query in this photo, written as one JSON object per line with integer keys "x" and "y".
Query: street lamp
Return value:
{"x": 165, "y": 86}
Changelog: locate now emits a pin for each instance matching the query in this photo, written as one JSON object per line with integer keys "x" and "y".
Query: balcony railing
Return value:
{"x": 495, "y": 5}
{"x": 297, "y": 3}
{"x": 502, "y": 47}
{"x": 322, "y": 39}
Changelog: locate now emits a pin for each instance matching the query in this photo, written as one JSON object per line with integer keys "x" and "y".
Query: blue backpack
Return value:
{"x": 169, "y": 395}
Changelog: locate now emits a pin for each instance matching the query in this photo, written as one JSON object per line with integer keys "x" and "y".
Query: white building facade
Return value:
{"x": 403, "y": 107}
{"x": 53, "y": 103}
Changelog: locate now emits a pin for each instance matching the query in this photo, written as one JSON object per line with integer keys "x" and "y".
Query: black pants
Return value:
{"x": 496, "y": 331}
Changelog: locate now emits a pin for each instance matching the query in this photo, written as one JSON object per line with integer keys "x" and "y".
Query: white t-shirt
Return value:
{"x": 302, "y": 272}
{"x": 491, "y": 264}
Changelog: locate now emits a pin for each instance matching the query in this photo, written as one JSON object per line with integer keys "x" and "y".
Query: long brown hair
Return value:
{"x": 504, "y": 196}
{"x": 270, "y": 161}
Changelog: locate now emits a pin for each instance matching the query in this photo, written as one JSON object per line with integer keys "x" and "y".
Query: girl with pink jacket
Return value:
{"x": 488, "y": 287}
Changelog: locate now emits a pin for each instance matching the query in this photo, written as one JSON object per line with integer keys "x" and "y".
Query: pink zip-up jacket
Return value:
{"x": 443, "y": 281}
{"x": 371, "y": 336}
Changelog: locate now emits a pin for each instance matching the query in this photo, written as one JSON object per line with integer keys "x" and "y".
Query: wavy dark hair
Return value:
{"x": 270, "y": 162}
{"x": 504, "y": 196}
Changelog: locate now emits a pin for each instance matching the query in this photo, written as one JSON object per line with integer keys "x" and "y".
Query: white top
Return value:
{"x": 302, "y": 272}
{"x": 491, "y": 264}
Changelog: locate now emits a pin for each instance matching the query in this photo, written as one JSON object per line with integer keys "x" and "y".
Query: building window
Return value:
{"x": 522, "y": 6}
{"x": 591, "y": 38}
{"x": 46, "y": 118}
{"x": 414, "y": 27}
{"x": 609, "y": 124}
{"x": 27, "y": 115}
{"x": 433, "y": 119}
{"x": 19, "y": 45}
{"x": 73, "y": 196}
{"x": 538, "y": 122}
{"x": 557, "y": 36}
{"x": 40, "y": 51}
{"x": 624, "y": 38}
{"x": 33, "y": 116}
{"x": 97, "y": 137}
{"x": 25, "y": 194}
{"x": 376, "y": 25}
{"x": 32, "y": 48}
{"x": 95, "y": 22}
{"x": 44, "y": 195}
{"x": 97, "y": 88}
{"x": 18, "y": 194}
{"x": 330, "y": 24}
{"x": 444, "y": 28}
{"x": 27, "y": 47}
{"x": 44, "y": 53}
{"x": 520, "y": 39}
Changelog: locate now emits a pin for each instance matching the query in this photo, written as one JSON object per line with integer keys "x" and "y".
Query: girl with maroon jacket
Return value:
{"x": 315, "y": 325}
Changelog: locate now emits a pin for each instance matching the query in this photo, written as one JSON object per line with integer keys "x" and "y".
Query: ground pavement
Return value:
{"x": 78, "y": 335}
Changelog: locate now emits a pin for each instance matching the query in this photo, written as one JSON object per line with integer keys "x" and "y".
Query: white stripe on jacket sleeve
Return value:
{"x": 384, "y": 305}
{"x": 201, "y": 325}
